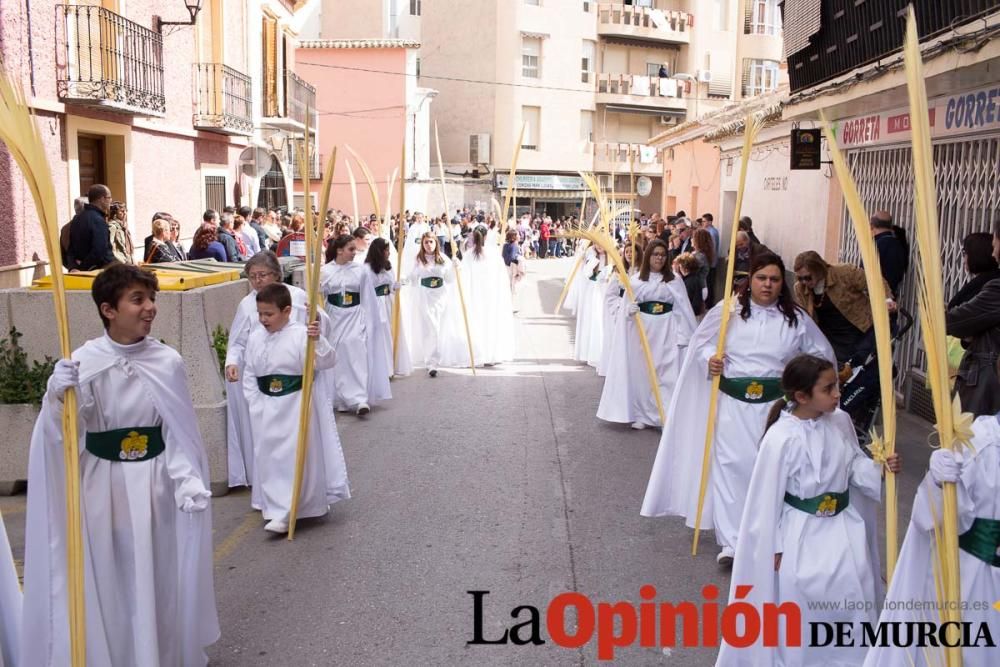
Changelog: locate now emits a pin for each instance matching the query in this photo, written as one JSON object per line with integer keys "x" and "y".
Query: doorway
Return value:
{"x": 92, "y": 152}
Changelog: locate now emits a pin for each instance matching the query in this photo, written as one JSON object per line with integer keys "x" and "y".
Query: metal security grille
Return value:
{"x": 215, "y": 192}
{"x": 968, "y": 200}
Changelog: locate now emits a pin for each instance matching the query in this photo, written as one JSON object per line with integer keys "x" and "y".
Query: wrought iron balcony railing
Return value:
{"x": 103, "y": 59}
{"x": 223, "y": 100}
{"x": 853, "y": 34}
{"x": 299, "y": 96}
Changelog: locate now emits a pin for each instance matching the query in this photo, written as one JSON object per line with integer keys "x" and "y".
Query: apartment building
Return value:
{"x": 176, "y": 105}
{"x": 586, "y": 79}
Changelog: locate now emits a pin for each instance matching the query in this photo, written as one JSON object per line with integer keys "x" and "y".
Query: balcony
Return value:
{"x": 642, "y": 92}
{"x": 643, "y": 23}
{"x": 299, "y": 96}
{"x": 105, "y": 60}
{"x": 851, "y": 34}
{"x": 223, "y": 101}
{"x": 315, "y": 163}
{"x": 644, "y": 160}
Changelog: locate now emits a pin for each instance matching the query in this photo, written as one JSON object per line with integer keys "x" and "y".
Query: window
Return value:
{"x": 759, "y": 76}
{"x": 215, "y": 192}
{"x": 586, "y": 5}
{"x": 587, "y": 62}
{"x": 587, "y": 126}
{"x": 269, "y": 51}
{"x": 414, "y": 7}
{"x": 533, "y": 2}
{"x": 763, "y": 17}
{"x": 531, "y": 51}
{"x": 532, "y": 117}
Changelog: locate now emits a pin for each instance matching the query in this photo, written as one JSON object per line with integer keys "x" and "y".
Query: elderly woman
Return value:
{"x": 162, "y": 248}
{"x": 974, "y": 316}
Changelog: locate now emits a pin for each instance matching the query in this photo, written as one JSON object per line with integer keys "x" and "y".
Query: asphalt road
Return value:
{"x": 505, "y": 482}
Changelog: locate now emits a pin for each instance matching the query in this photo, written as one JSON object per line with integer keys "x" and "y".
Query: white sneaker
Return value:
{"x": 362, "y": 410}
{"x": 725, "y": 556}
{"x": 638, "y": 426}
{"x": 275, "y": 526}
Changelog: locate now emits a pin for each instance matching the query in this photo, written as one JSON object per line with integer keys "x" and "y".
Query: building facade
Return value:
{"x": 175, "y": 118}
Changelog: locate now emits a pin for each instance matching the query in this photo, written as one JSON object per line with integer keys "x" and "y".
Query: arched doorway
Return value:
{"x": 272, "y": 193}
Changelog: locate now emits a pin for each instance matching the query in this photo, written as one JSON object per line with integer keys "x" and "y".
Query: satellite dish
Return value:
{"x": 644, "y": 185}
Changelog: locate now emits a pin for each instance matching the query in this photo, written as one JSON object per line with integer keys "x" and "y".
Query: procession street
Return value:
{"x": 505, "y": 483}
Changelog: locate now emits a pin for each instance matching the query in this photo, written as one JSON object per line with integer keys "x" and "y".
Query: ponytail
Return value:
{"x": 775, "y": 413}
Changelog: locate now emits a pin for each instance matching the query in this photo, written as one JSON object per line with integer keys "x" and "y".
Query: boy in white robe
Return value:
{"x": 10, "y": 604}
{"x": 272, "y": 384}
{"x": 976, "y": 473}
{"x": 144, "y": 494}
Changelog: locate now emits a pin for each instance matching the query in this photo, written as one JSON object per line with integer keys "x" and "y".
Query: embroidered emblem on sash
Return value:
{"x": 134, "y": 446}
{"x": 755, "y": 390}
{"x": 276, "y": 386}
{"x": 348, "y": 299}
{"x": 657, "y": 308}
{"x": 827, "y": 507}
{"x": 435, "y": 282}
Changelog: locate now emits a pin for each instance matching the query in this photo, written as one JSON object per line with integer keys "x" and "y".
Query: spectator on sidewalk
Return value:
{"x": 717, "y": 243}
{"x": 89, "y": 234}
{"x": 543, "y": 239}
{"x": 974, "y": 317}
{"x": 121, "y": 239}
{"x": 206, "y": 246}
{"x": 162, "y": 249}
{"x": 227, "y": 237}
{"x": 78, "y": 204}
{"x": 893, "y": 255}
{"x": 247, "y": 241}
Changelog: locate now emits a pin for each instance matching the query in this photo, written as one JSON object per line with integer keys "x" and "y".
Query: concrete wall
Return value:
{"x": 184, "y": 321}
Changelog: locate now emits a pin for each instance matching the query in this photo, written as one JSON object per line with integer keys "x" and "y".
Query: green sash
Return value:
{"x": 279, "y": 385}
{"x": 344, "y": 299}
{"x": 432, "y": 282}
{"x": 126, "y": 445}
{"x": 752, "y": 390}
{"x": 824, "y": 505}
{"x": 593, "y": 277}
{"x": 982, "y": 540}
{"x": 621, "y": 292}
{"x": 383, "y": 290}
{"x": 655, "y": 307}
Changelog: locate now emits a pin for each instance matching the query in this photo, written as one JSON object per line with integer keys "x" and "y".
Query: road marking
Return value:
{"x": 227, "y": 545}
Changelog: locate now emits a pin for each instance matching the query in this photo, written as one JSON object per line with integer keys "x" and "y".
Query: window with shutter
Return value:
{"x": 269, "y": 53}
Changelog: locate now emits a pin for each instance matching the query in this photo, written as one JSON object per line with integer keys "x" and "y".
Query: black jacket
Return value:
{"x": 893, "y": 260}
{"x": 228, "y": 242}
{"x": 977, "y": 323}
{"x": 89, "y": 240}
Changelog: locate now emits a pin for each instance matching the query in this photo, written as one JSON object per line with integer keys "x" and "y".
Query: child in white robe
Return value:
{"x": 668, "y": 321}
{"x": 766, "y": 331}
{"x": 976, "y": 473}
{"x": 379, "y": 264}
{"x": 10, "y": 604}
{"x": 808, "y": 531}
{"x": 272, "y": 384}
{"x": 488, "y": 299}
{"x": 436, "y": 339}
{"x": 361, "y": 375}
{"x": 144, "y": 498}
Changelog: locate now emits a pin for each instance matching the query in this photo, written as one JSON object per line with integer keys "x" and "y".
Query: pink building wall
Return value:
{"x": 363, "y": 109}
{"x": 691, "y": 179}
{"x": 165, "y": 155}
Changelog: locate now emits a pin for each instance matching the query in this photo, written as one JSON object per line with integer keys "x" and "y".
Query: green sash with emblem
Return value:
{"x": 126, "y": 445}
{"x": 432, "y": 282}
{"x": 383, "y": 290}
{"x": 823, "y": 505}
{"x": 752, "y": 390}
{"x": 982, "y": 540}
{"x": 655, "y": 307}
{"x": 279, "y": 385}
{"x": 344, "y": 299}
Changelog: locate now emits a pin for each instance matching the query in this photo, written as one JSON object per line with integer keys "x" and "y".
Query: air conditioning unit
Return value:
{"x": 704, "y": 76}
{"x": 479, "y": 149}
{"x": 668, "y": 120}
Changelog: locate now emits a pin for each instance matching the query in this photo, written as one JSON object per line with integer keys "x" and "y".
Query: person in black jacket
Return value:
{"x": 974, "y": 316}
{"x": 893, "y": 256}
{"x": 89, "y": 234}
{"x": 256, "y": 218}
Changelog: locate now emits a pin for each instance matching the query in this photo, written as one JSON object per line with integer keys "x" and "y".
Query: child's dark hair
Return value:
{"x": 376, "y": 256}
{"x": 111, "y": 284}
{"x": 275, "y": 294}
{"x": 335, "y": 244}
{"x": 800, "y": 374}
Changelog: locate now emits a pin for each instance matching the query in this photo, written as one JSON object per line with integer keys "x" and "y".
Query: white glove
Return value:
{"x": 197, "y": 502}
{"x": 404, "y": 281}
{"x": 631, "y": 308}
{"x": 396, "y": 286}
{"x": 946, "y": 466}
{"x": 64, "y": 376}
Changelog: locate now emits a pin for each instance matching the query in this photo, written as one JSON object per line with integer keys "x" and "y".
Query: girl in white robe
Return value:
{"x": 379, "y": 264}
{"x": 10, "y": 604}
{"x": 262, "y": 269}
{"x": 437, "y": 338}
{"x": 588, "y": 342}
{"x": 361, "y": 375}
{"x": 976, "y": 473}
{"x": 808, "y": 531}
{"x": 766, "y": 331}
{"x": 662, "y": 304}
{"x": 614, "y": 295}
{"x": 488, "y": 300}
{"x": 275, "y": 361}
{"x": 572, "y": 300}
{"x": 145, "y": 503}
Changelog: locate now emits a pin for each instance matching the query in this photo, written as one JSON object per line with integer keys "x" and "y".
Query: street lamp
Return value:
{"x": 193, "y": 7}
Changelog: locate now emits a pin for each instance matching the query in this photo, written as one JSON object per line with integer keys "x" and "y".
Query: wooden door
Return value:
{"x": 92, "y": 156}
